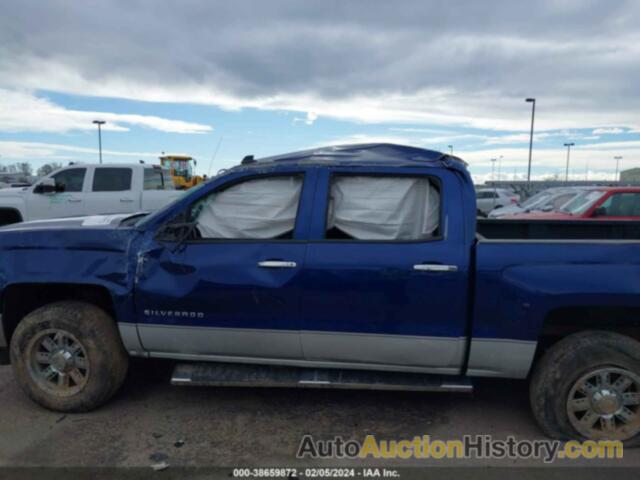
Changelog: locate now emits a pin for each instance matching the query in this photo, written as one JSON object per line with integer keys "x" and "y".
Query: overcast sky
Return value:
{"x": 274, "y": 76}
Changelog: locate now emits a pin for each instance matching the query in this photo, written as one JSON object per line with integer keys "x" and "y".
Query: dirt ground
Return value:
{"x": 150, "y": 422}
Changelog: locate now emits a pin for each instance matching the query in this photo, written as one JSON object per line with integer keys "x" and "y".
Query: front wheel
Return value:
{"x": 587, "y": 386}
{"x": 68, "y": 356}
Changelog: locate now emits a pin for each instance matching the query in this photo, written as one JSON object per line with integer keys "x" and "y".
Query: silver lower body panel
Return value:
{"x": 496, "y": 357}
{"x": 334, "y": 350}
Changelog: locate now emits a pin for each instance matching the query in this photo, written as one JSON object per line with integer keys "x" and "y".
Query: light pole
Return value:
{"x": 617, "y": 159}
{"x": 586, "y": 171}
{"x": 99, "y": 123}
{"x": 450, "y": 149}
{"x": 566, "y": 172}
{"x": 499, "y": 166}
{"x": 493, "y": 166}
{"x": 533, "y": 116}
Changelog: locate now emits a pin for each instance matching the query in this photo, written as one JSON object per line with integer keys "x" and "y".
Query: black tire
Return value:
{"x": 565, "y": 364}
{"x": 100, "y": 350}
{"x": 9, "y": 216}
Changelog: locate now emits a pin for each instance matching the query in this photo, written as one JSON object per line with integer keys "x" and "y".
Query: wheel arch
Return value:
{"x": 20, "y": 299}
{"x": 563, "y": 321}
{"x": 10, "y": 215}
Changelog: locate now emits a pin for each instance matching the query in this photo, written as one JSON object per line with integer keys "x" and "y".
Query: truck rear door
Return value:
{"x": 112, "y": 191}
{"x": 385, "y": 278}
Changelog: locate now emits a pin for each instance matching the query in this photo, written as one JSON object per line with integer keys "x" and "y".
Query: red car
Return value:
{"x": 606, "y": 203}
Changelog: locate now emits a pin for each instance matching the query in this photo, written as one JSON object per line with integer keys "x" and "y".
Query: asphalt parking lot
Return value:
{"x": 150, "y": 422}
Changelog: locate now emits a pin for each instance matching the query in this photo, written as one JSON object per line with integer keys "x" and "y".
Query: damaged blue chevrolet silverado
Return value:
{"x": 357, "y": 266}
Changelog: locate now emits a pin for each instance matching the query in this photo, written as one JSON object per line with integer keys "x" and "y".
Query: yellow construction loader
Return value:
{"x": 181, "y": 169}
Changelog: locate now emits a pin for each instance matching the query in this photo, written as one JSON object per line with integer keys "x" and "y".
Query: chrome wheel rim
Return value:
{"x": 605, "y": 404}
{"x": 58, "y": 362}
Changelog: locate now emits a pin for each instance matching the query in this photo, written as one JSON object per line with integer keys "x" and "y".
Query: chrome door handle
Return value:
{"x": 126, "y": 200}
{"x": 435, "y": 267}
{"x": 276, "y": 264}
{"x": 74, "y": 200}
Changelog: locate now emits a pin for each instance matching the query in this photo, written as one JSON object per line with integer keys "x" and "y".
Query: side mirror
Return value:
{"x": 599, "y": 212}
{"x": 46, "y": 186}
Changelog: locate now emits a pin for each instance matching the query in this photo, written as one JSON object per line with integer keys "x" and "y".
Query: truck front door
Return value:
{"x": 66, "y": 203}
{"x": 385, "y": 278}
{"x": 232, "y": 290}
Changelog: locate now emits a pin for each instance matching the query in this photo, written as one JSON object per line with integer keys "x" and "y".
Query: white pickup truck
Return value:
{"x": 91, "y": 189}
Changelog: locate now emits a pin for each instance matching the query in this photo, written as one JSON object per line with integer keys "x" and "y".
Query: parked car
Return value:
{"x": 600, "y": 203}
{"x": 8, "y": 180}
{"x": 89, "y": 190}
{"x": 348, "y": 267}
{"x": 488, "y": 199}
{"x": 548, "y": 200}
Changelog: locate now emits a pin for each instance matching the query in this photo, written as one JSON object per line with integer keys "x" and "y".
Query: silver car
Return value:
{"x": 544, "y": 201}
{"x": 488, "y": 199}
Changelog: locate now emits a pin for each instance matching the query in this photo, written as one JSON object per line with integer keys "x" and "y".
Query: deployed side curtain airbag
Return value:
{"x": 384, "y": 208}
{"x": 255, "y": 209}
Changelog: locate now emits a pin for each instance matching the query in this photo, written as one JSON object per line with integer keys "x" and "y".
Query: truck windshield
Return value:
{"x": 582, "y": 202}
{"x": 536, "y": 200}
{"x": 182, "y": 168}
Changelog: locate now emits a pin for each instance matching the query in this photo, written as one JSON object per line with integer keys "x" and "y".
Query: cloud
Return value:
{"x": 41, "y": 151}
{"x": 608, "y": 131}
{"x": 23, "y": 112}
{"x": 311, "y": 117}
{"x": 597, "y": 157}
{"x": 308, "y": 120}
{"x": 480, "y": 179}
{"x": 448, "y": 63}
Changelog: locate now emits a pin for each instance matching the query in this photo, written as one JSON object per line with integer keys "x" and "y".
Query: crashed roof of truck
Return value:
{"x": 387, "y": 154}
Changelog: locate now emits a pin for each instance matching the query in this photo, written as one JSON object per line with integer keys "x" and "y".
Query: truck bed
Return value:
{"x": 533, "y": 276}
{"x": 495, "y": 229}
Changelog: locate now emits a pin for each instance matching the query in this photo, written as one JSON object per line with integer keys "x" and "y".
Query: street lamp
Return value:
{"x": 566, "y": 173}
{"x": 450, "y": 149}
{"x": 99, "y": 123}
{"x": 533, "y": 116}
{"x": 499, "y": 166}
{"x": 617, "y": 159}
{"x": 493, "y": 165}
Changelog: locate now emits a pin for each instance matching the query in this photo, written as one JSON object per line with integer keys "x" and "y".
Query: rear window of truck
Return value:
{"x": 111, "y": 179}
{"x": 383, "y": 208}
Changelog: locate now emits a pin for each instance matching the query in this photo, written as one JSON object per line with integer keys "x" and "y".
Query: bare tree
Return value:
{"x": 47, "y": 168}
{"x": 22, "y": 168}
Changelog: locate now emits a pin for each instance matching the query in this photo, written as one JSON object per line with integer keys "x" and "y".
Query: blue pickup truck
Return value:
{"x": 357, "y": 266}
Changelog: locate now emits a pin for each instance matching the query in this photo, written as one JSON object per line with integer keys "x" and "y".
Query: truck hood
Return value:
{"x": 537, "y": 215}
{"x": 81, "y": 250}
{"x": 92, "y": 221}
{"x": 508, "y": 210}
{"x": 12, "y": 192}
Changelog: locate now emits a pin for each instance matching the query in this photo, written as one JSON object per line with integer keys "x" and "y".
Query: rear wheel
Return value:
{"x": 587, "y": 386}
{"x": 68, "y": 356}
